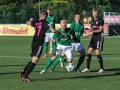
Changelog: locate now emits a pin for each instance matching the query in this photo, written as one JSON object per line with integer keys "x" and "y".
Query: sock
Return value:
{"x": 100, "y": 61}
{"x": 80, "y": 61}
{"x": 54, "y": 45}
{"x": 45, "y": 47}
{"x": 26, "y": 66}
{"x": 29, "y": 69}
{"x": 88, "y": 60}
{"x": 65, "y": 60}
{"x": 57, "y": 60}
{"x": 48, "y": 64}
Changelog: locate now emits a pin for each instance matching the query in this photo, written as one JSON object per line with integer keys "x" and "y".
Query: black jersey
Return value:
{"x": 40, "y": 26}
{"x": 95, "y": 26}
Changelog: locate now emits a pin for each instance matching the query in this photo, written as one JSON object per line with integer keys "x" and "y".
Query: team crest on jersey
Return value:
{"x": 96, "y": 22}
{"x": 51, "y": 18}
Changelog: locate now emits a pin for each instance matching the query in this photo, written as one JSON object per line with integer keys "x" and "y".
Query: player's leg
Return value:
{"x": 36, "y": 53}
{"x": 79, "y": 48}
{"x": 99, "y": 56}
{"x": 89, "y": 54}
{"x": 50, "y": 61}
{"x": 30, "y": 68}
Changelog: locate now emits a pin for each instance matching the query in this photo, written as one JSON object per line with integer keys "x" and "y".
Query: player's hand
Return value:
{"x": 50, "y": 52}
{"x": 31, "y": 19}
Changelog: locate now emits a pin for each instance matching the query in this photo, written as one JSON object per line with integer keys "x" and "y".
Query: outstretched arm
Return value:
{"x": 29, "y": 21}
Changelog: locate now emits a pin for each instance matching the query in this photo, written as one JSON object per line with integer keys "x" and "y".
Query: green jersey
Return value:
{"x": 78, "y": 30}
{"x": 63, "y": 40}
{"x": 51, "y": 20}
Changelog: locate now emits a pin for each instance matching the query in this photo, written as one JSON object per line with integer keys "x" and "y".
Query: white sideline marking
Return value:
{"x": 50, "y": 57}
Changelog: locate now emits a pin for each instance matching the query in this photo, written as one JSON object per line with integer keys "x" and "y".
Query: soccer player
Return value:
{"x": 78, "y": 29}
{"x": 51, "y": 19}
{"x": 63, "y": 47}
{"x": 96, "y": 42}
{"x": 41, "y": 26}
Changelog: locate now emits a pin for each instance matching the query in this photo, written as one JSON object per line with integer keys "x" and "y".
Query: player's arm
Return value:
{"x": 51, "y": 41}
{"x": 101, "y": 24}
{"x": 87, "y": 32}
{"x": 73, "y": 37}
{"x": 99, "y": 30}
{"x": 29, "y": 21}
{"x": 51, "y": 49}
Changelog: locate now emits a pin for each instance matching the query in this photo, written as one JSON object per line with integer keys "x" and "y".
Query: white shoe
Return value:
{"x": 62, "y": 64}
{"x": 43, "y": 71}
{"x": 85, "y": 70}
{"x": 100, "y": 71}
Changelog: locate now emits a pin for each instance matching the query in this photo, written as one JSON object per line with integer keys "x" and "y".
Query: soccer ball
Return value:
{"x": 70, "y": 67}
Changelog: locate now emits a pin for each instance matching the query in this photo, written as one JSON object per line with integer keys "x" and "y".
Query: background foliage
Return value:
{"x": 18, "y": 11}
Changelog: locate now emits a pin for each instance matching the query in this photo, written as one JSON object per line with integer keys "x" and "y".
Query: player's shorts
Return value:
{"x": 77, "y": 46}
{"x": 65, "y": 49}
{"x": 48, "y": 36}
{"x": 96, "y": 44}
{"x": 36, "y": 50}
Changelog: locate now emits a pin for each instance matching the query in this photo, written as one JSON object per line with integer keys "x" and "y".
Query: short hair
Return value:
{"x": 77, "y": 14}
{"x": 43, "y": 12}
{"x": 63, "y": 22}
{"x": 95, "y": 10}
{"x": 48, "y": 9}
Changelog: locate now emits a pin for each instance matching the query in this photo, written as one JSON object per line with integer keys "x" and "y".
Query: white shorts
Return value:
{"x": 65, "y": 49}
{"x": 77, "y": 46}
{"x": 48, "y": 36}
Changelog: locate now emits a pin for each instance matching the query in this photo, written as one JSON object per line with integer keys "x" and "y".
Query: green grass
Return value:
{"x": 15, "y": 53}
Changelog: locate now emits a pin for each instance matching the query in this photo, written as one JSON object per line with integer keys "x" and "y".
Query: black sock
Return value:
{"x": 100, "y": 61}
{"x": 26, "y": 66}
{"x": 88, "y": 60}
{"x": 80, "y": 61}
{"x": 29, "y": 69}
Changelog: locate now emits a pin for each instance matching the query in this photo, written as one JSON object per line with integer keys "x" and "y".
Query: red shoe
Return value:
{"x": 22, "y": 74}
{"x": 26, "y": 80}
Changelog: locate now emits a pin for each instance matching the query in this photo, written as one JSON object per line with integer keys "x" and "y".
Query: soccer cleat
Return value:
{"x": 100, "y": 71}
{"x": 26, "y": 80}
{"x": 62, "y": 64}
{"x": 43, "y": 71}
{"x": 52, "y": 69}
{"x": 85, "y": 70}
{"x": 45, "y": 55}
{"x": 77, "y": 70}
{"x": 22, "y": 74}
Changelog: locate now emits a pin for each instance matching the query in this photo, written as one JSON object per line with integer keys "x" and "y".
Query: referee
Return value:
{"x": 96, "y": 42}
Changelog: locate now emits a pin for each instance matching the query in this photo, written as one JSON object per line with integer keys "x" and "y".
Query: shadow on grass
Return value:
{"x": 76, "y": 77}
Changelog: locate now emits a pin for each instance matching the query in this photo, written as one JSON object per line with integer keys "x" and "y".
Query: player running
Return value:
{"x": 96, "y": 42}
{"x": 41, "y": 26}
{"x": 63, "y": 47}
{"x": 78, "y": 29}
{"x": 51, "y": 19}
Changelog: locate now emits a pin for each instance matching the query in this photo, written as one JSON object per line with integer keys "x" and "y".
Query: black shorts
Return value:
{"x": 96, "y": 44}
{"x": 36, "y": 49}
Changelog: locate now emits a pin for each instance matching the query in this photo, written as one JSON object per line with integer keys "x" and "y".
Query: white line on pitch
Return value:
{"x": 50, "y": 57}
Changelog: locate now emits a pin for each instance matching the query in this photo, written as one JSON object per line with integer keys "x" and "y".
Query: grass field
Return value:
{"x": 14, "y": 55}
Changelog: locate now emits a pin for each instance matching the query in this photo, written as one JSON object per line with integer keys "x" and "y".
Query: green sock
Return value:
{"x": 54, "y": 45}
{"x": 64, "y": 60}
{"x": 46, "y": 47}
{"x": 48, "y": 64}
{"x": 80, "y": 61}
{"x": 57, "y": 60}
